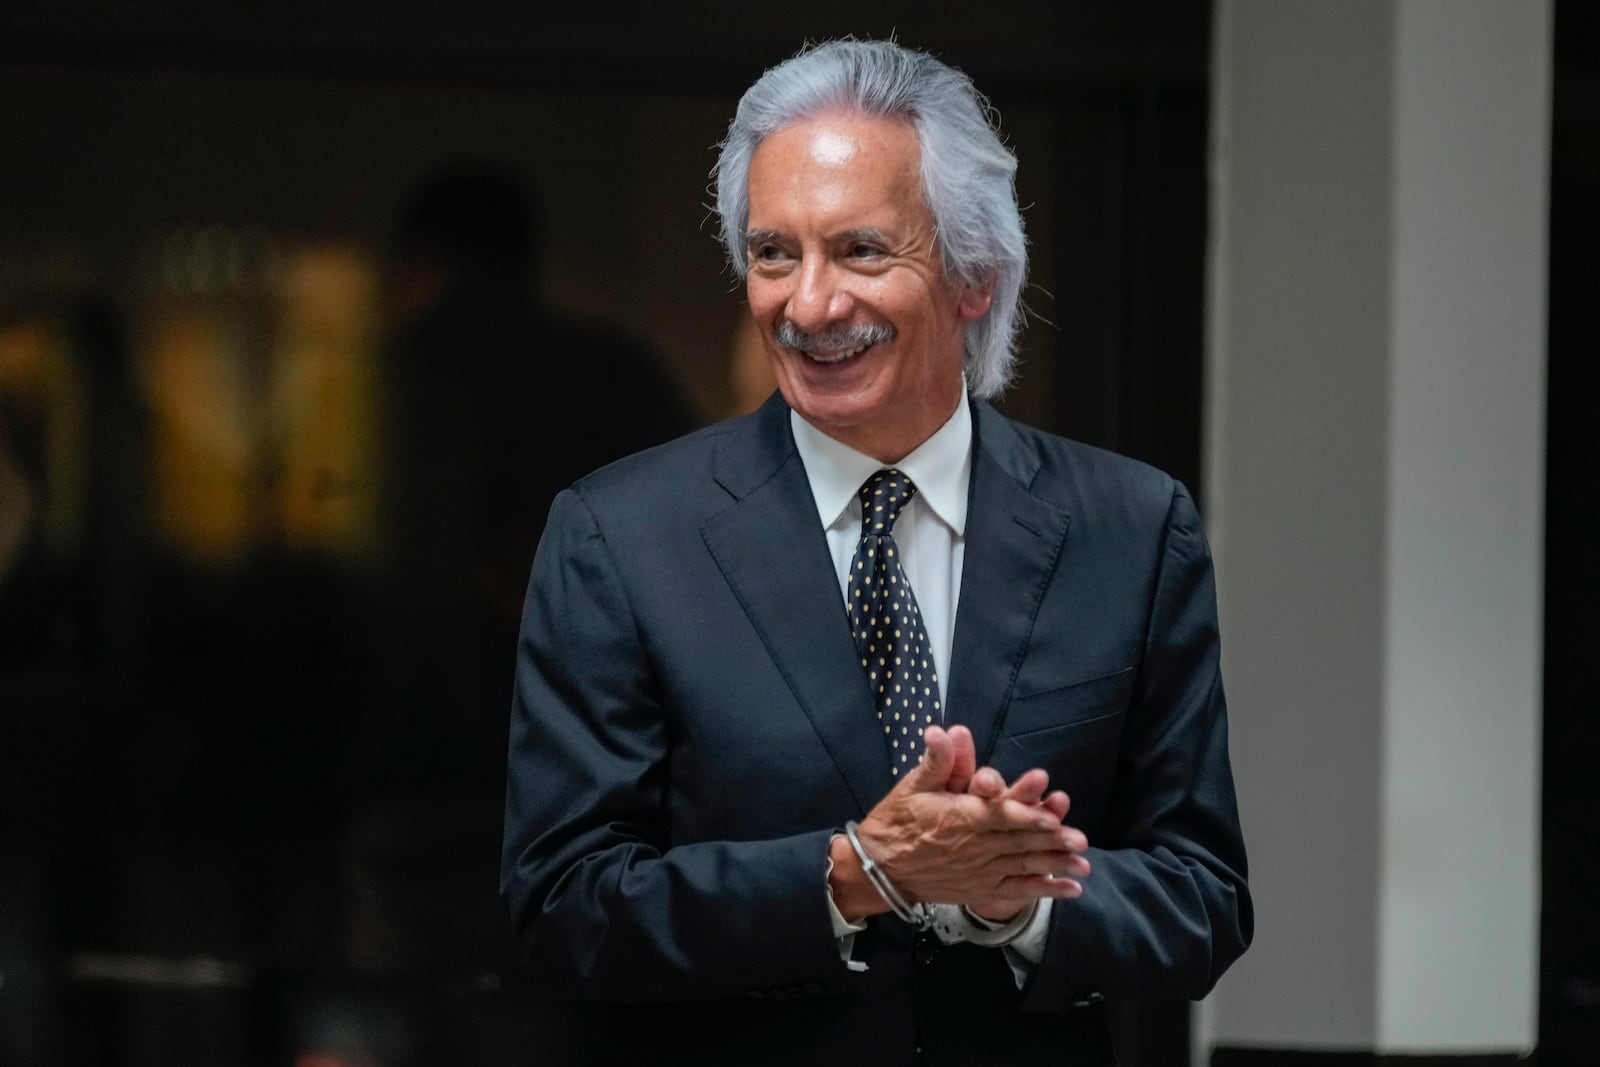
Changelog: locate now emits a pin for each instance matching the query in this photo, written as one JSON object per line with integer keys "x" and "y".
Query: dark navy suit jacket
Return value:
{"x": 691, "y": 725}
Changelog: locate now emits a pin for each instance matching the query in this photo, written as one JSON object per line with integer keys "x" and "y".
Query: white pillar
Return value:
{"x": 1375, "y": 402}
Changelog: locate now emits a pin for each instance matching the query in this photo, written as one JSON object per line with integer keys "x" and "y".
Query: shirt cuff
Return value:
{"x": 1028, "y": 945}
{"x": 1022, "y": 939}
{"x": 844, "y": 931}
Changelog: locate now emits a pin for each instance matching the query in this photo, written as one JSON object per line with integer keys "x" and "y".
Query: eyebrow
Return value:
{"x": 866, "y": 233}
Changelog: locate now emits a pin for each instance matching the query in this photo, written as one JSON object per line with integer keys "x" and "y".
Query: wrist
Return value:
{"x": 852, "y": 892}
{"x": 914, "y": 912}
{"x": 955, "y": 924}
{"x": 985, "y": 914}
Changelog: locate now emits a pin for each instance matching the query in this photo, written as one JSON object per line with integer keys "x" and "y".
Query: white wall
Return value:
{"x": 1458, "y": 929}
{"x": 1374, "y": 486}
{"x": 1297, "y": 381}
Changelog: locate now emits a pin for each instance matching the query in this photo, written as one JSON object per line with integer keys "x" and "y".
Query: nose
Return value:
{"x": 819, "y": 297}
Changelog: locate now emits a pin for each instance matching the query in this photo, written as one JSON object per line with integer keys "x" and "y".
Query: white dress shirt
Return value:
{"x": 931, "y": 532}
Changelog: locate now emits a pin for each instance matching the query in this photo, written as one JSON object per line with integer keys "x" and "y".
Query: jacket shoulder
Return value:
{"x": 676, "y": 477}
{"x": 653, "y": 462}
{"x": 1082, "y": 478}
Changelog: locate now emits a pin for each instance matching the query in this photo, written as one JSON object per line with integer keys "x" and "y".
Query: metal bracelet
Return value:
{"x": 917, "y": 914}
{"x": 980, "y": 931}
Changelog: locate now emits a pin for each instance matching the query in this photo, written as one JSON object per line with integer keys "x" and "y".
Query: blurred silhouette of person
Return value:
{"x": 71, "y": 657}
{"x": 491, "y": 407}
{"x": 495, "y": 397}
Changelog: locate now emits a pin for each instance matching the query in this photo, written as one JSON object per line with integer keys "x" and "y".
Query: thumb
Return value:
{"x": 932, "y": 774}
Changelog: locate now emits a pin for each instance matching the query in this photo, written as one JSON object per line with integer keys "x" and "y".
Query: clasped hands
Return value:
{"x": 952, "y": 833}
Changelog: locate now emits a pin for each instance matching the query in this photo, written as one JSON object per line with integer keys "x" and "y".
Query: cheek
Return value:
{"x": 911, "y": 301}
{"x": 763, "y": 298}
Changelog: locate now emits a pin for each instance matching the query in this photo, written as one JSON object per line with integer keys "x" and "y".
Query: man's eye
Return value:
{"x": 861, "y": 250}
{"x": 767, "y": 253}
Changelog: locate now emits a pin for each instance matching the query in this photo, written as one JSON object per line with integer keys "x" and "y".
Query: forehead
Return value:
{"x": 836, "y": 161}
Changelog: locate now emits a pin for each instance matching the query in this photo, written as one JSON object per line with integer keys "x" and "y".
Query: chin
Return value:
{"x": 830, "y": 413}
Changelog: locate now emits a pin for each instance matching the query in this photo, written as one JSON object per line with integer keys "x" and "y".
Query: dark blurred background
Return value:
{"x": 306, "y": 310}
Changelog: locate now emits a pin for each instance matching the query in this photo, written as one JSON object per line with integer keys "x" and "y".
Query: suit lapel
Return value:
{"x": 771, "y": 549}
{"x": 1013, "y": 542}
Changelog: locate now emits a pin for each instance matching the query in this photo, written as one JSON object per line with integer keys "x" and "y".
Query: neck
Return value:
{"x": 889, "y": 444}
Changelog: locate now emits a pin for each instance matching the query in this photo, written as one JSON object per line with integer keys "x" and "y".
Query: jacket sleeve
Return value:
{"x": 1165, "y": 910}
{"x": 603, "y": 899}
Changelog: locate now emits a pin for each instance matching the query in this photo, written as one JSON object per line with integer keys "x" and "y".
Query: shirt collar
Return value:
{"x": 940, "y": 468}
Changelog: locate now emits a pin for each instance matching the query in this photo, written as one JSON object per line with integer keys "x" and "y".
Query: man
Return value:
{"x": 729, "y": 816}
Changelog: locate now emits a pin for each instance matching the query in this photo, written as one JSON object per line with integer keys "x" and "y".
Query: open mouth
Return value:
{"x": 834, "y": 357}
{"x": 834, "y": 345}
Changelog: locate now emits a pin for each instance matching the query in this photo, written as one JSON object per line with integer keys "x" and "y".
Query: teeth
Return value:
{"x": 836, "y": 357}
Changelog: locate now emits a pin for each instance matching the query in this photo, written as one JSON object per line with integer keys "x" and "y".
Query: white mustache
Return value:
{"x": 833, "y": 338}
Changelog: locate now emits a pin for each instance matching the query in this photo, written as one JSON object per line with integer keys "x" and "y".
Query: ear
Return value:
{"x": 973, "y": 302}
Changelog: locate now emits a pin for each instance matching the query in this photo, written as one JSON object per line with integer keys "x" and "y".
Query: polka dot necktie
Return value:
{"x": 887, "y": 626}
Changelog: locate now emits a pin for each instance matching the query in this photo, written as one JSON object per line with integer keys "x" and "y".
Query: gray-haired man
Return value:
{"x": 802, "y": 699}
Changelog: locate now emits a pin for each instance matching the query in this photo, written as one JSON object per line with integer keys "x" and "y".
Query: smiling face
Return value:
{"x": 864, "y": 333}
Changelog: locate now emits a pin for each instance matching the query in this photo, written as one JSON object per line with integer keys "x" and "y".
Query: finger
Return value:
{"x": 1072, "y": 839}
{"x": 1058, "y": 864}
{"x": 932, "y": 773}
{"x": 1029, "y": 787}
{"x": 1007, "y": 814}
{"x": 1057, "y": 804}
{"x": 987, "y": 784}
{"x": 1062, "y": 839}
{"x": 966, "y": 759}
{"x": 1014, "y": 893}
{"x": 1038, "y": 887}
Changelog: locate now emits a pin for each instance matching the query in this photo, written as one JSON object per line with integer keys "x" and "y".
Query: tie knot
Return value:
{"x": 882, "y": 497}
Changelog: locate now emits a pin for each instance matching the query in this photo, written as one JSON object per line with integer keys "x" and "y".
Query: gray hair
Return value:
{"x": 968, "y": 174}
